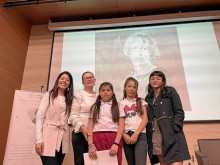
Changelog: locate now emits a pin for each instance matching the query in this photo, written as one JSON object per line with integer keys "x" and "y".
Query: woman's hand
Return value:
{"x": 39, "y": 147}
{"x": 134, "y": 138}
{"x": 114, "y": 150}
{"x": 92, "y": 152}
{"x": 127, "y": 138}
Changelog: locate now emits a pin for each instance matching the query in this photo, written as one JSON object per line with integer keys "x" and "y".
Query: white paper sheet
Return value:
{"x": 103, "y": 159}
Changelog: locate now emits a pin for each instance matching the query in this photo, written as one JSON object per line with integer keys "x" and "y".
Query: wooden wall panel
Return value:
{"x": 14, "y": 31}
{"x": 38, "y": 59}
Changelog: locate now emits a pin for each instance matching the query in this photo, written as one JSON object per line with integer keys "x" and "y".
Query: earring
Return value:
{"x": 68, "y": 89}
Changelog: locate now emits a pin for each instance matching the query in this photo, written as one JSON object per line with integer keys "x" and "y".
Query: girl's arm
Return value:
{"x": 92, "y": 148}
{"x": 121, "y": 127}
{"x": 126, "y": 137}
{"x": 141, "y": 126}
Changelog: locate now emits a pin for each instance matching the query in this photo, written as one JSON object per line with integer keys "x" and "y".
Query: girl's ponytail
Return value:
{"x": 95, "y": 109}
{"x": 115, "y": 109}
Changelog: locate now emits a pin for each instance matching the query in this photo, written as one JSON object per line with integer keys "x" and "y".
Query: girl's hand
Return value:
{"x": 127, "y": 138}
{"x": 134, "y": 138}
{"x": 92, "y": 153}
{"x": 85, "y": 134}
{"x": 113, "y": 150}
{"x": 39, "y": 147}
{"x": 84, "y": 131}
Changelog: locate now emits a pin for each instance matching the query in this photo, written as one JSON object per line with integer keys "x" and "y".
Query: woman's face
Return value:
{"x": 88, "y": 80}
{"x": 139, "y": 52}
{"x": 106, "y": 93}
{"x": 131, "y": 89}
{"x": 156, "y": 82}
{"x": 64, "y": 82}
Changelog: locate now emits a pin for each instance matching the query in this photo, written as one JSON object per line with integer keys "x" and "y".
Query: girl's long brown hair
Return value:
{"x": 95, "y": 109}
{"x": 138, "y": 99}
{"x": 68, "y": 92}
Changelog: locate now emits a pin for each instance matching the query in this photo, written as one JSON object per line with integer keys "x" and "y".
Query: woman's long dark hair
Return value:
{"x": 68, "y": 92}
{"x": 95, "y": 109}
{"x": 138, "y": 100}
{"x": 164, "y": 89}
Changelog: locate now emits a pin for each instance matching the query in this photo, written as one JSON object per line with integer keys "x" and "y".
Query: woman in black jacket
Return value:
{"x": 166, "y": 140}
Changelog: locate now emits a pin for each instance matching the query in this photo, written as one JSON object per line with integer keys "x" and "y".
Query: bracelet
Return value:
{"x": 91, "y": 145}
{"x": 116, "y": 143}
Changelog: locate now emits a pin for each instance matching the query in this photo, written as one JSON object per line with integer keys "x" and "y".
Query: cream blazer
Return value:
{"x": 52, "y": 127}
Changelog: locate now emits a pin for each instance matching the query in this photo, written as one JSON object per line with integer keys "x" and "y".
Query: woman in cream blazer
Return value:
{"x": 52, "y": 131}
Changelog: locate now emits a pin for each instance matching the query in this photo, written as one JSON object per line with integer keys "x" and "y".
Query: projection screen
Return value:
{"x": 188, "y": 54}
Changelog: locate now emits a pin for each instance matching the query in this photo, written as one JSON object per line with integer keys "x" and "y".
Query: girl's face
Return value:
{"x": 156, "y": 82}
{"x": 106, "y": 93}
{"x": 88, "y": 80}
{"x": 131, "y": 89}
{"x": 64, "y": 82}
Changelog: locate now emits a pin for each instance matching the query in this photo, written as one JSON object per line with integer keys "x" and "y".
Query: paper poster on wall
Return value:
{"x": 21, "y": 135}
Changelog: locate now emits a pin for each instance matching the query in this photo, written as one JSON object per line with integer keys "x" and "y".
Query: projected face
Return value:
{"x": 140, "y": 47}
{"x": 140, "y": 53}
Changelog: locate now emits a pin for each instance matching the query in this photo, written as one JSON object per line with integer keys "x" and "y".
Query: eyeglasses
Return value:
{"x": 88, "y": 78}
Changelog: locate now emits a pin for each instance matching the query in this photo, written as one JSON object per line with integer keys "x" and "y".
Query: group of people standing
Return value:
{"x": 100, "y": 122}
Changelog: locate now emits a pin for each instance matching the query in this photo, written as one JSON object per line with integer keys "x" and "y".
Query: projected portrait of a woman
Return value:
{"x": 136, "y": 53}
{"x": 141, "y": 48}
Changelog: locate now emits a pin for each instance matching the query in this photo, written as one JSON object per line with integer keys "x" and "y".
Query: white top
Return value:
{"x": 80, "y": 112}
{"x": 132, "y": 118}
{"x": 42, "y": 110}
{"x": 105, "y": 122}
